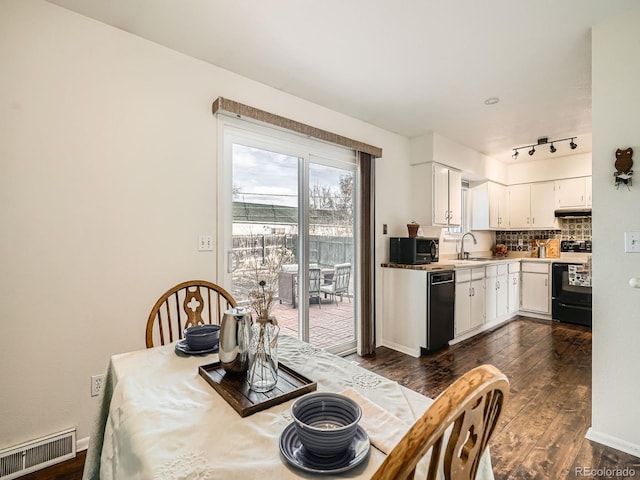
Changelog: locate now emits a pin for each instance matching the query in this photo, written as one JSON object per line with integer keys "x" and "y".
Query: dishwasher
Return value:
{"x": 441, "y": 290}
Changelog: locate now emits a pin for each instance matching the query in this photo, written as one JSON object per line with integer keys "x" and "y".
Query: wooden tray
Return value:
{"x": 235, "y": 389}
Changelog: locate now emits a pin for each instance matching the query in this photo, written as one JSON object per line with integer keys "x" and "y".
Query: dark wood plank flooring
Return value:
{"x": 541, "y": 433}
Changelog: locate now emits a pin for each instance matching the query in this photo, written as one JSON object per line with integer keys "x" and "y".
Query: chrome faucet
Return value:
{"x": 461, "y": 254}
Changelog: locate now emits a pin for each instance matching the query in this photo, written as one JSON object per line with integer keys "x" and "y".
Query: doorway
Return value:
{"x": 290, "y": 220}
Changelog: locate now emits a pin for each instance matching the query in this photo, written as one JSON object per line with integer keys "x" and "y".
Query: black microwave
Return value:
{"x": 413, "y": 250}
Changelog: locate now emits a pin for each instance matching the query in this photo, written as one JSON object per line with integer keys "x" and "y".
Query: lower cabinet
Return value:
{"x": 496, "y": 292}
{"x": 536, "y": 287}
{"x": 513, "y": 297}
{"x": 469, "y": 304}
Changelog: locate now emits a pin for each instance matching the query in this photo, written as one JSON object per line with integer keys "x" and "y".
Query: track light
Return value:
{"x": 543, "y": 141}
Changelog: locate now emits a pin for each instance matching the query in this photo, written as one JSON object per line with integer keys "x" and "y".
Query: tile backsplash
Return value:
{"x": 570, "y": 229}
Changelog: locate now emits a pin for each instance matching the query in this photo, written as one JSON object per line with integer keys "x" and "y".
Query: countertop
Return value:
{"x": 448, "y": 264}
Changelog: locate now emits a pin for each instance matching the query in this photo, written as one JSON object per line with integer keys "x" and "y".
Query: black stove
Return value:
{"x": 575, "y": 246}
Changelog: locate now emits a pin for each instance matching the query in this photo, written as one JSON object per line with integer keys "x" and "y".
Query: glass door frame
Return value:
{"x": 232, "y": 130}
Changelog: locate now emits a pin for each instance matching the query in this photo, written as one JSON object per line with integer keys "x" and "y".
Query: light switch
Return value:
{"x": 632, "y": 242}
{"x": 205, "y": 243}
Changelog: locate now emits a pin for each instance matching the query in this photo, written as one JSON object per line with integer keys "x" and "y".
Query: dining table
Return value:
{"x": 158, "y": 418}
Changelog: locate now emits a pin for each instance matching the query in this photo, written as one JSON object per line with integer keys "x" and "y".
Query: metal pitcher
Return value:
{"x": 235, "y": 337}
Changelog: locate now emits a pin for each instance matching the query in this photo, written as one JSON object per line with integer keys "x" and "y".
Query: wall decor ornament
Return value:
{"x": 623, "y": 165}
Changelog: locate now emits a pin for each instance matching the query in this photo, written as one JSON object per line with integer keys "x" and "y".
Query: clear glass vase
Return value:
{"x": 262, "y": 375}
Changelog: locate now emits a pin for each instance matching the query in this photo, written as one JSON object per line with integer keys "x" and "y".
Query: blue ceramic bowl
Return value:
{"x": 202, "y": 337}
{"x": 325, "y": 422}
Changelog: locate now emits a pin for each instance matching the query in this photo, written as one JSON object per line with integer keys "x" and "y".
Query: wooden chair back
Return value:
{"x": 470, "y": 407}
{"x": 190, "y": 303}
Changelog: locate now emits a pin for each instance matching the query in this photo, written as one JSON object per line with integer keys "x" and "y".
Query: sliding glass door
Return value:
{"x": 288, "y": 220}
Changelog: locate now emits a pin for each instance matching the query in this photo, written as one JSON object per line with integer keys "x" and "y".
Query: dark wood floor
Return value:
{"x": 541, "y": 433}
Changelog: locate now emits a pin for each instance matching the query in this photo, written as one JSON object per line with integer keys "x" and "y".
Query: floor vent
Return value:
{"x": 37, "y": 454}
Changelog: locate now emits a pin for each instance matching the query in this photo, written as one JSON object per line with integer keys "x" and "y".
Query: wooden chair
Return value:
{"x": 340, "y": 283}
{"x": 470, "y": 408}
{"x": 190, "y": 303}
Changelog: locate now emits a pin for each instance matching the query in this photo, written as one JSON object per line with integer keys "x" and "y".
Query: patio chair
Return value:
{"x": 314, "y": 285}
{"x": 190, "y": 303}
{"x": 468, "y": 411}
{"x": 340, "y": 283}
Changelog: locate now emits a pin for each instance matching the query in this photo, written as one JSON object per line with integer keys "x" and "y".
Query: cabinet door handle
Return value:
{"x": 533, "y": 221}
{"x": 497, "y": 285}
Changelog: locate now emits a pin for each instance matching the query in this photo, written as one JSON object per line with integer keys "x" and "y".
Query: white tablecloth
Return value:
{"x": 159, "y": 419}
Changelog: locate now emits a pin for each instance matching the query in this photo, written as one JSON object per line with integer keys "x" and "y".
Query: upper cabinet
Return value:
{"x": 490, "y": 207}
{"x": 531, "y": 206}
{"x": 573, "y": 193}
{"x": 437, "y": 194}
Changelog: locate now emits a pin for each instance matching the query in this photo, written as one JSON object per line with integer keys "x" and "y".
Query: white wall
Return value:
{"x": 616, "y": 307}
{"x": 107, "y": 176}
{"x": 553, "y": 168}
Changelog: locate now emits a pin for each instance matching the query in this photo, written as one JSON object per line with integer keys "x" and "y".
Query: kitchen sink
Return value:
{"x": 478, "y": 259}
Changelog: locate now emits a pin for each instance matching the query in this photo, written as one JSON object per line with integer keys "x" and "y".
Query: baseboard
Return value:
{"x": 613, "y": 442}
{"x": 401, "y": 348}
{"x": 482, "y": 328}
{"x": 82, "y": 444}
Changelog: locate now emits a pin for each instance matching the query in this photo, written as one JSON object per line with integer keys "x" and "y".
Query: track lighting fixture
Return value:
{"x": 543, "y": 141}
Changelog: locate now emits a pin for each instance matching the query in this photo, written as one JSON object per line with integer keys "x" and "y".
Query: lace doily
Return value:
{"x": 366, "y": 380}
{"x": 188, "y": 466}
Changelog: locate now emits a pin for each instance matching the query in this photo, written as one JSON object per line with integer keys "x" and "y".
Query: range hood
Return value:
{"x": 573, "y": 212}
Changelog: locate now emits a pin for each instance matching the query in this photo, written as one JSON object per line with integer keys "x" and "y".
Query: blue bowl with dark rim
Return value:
{"x": 202, "y": 337}
{"x": 326, "y": 422}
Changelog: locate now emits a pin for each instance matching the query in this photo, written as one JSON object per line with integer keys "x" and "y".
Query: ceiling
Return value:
{"x": 410, "y": 67}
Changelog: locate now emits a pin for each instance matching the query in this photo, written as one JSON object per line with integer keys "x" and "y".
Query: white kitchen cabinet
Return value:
{"x": 513, "y": 297}
{"x": 437, "y": 195}
{"x": 519, "y": 206}
{"x": 589, "y": 189}
{"x": 531, "y": 206}
{"x": 542, "y": 203}
{"x": 573, "y": 192}
{"x": 496, "y": 292}
{"x": 536, "y": 287}
{"x": 489, "y": 204}
{"x": 469, "y": 302}
{"x": 447, "y": 196}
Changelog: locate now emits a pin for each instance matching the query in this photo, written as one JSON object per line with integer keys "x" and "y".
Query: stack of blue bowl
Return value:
{"x": 326, "y": 423}
{"x": 202, "y": 337}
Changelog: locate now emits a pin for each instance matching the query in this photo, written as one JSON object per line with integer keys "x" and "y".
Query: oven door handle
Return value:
{"x": 577, "y": 307}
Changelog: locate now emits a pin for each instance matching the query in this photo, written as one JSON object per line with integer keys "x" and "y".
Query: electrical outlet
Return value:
{"x": 97, "y": 382}
{"x": 205, "y": 243}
